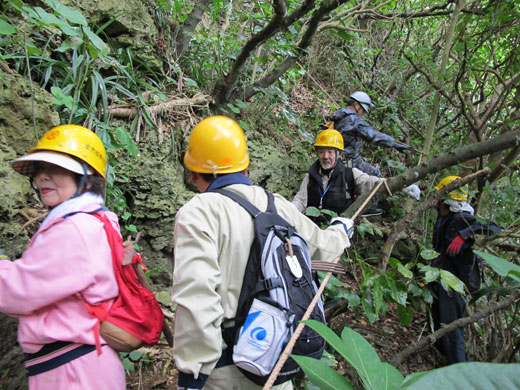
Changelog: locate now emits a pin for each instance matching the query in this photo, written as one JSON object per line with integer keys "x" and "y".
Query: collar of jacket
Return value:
{"x": 227, "y": 180}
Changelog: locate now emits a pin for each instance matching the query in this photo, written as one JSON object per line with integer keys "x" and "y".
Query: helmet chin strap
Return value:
{"x": 82, "y": 181}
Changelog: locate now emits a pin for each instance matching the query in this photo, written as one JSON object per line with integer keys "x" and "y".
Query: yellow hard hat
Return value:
{"x": 460, "y": 194}
{"x": 217, "y": 145}
{"x": 61, "y": 142}
{"x": 329, "y": 138}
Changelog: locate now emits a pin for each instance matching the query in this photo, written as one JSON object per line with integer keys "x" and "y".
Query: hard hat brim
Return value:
{"x": 25, "y": 165}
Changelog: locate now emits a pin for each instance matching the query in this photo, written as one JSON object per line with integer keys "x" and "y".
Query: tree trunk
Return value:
{"x": 457, "y": 156}
{"x": 436, "y": 99}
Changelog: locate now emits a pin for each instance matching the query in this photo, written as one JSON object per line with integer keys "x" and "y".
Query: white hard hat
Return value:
{"x": 363, "y": 99}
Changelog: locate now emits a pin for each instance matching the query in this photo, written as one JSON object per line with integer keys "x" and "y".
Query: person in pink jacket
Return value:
{"x": 68, "y": 260}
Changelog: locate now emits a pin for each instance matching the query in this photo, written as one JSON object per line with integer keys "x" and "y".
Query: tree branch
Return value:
{"x": 430, "y": 339}
{"x": 468, "y": 152}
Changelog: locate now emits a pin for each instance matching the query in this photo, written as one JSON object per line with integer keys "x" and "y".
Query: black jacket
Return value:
{"x": 334, "y": 197}
{"x": 446, "y": 228}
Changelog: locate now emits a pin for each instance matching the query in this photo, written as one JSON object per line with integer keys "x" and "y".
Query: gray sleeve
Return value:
{"x": 300, "y": 199}
{"x": 369, "y": 134}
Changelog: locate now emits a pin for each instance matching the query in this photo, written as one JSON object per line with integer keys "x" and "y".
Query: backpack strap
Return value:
{"x": 251, "y": 209}
{"x": 349, "y": 179}
{"x": 100, "y": 310}
{"x": 266, "y": 284}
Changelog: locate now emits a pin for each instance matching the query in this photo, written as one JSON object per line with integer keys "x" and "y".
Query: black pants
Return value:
{"x": 446, "y": 308}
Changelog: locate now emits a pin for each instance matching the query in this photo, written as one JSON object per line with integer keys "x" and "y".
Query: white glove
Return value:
{"x": 347, "y": 223}
{"x": 413, "y": 190}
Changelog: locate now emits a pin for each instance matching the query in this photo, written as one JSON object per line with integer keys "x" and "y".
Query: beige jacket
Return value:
{"x": 212, "y": 238}
{"x": 363, "y": 181}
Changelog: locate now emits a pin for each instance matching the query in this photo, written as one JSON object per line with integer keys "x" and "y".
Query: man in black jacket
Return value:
{"x": 453, "y": 235}
{"x": 330, "y": 185}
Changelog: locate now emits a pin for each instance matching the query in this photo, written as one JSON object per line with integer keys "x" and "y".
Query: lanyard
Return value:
{"x": 323, "y": 194}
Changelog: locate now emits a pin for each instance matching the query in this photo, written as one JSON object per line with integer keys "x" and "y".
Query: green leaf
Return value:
{"x": 400, "y": 267}
{"x": 243, "y": 125}
{"x": 126, "y": 141}
{"x": 369, "y": 310}
{"x": 233, "y": 108}
{"x": 429, "y": 254}
{"x": 431, "y": 274}
{"x": 328, "y": 334}
{"x": 51, "y": 19}
{"x": 60, "y": 99}
{"x": 131, "y": 228}
{"x": 70, "y": 43}
{"x": 322, "y": 375}
{"x": 135, "y": 355}
{"x": 312, "y": 211}
{"x": 501, "y": 266}
{"x": 353, "y": 299}
{"x": 127, "y": 364}
{"x": 384, "y": 376}
{"x": 101, "y": 47}
{"x": 33, "y": 50}
{"x": 6, "y": 28}
{"x": 242, "y": 105}
{"x": 190, "y": 82}
{"x": 474, "y": 376}
{"x": 71, "y": 15}
{"x": 359, "y": 353}
{"x": 452, "y": 281}
{"x": 105, "y": 137}
{"x": 405, "y": 314}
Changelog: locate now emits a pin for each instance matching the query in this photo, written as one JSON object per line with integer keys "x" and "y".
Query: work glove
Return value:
{"x": 347, "y": 223}
{"x": 455, "y": 246}
{"x": 401, "y": 147}
{"x": 413, "y": 190}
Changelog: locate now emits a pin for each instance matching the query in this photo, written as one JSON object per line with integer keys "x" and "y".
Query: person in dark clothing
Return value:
{"x": 330, "y": 185}
{"x": 353, "y": 128}
{"x": 453, "y": 234}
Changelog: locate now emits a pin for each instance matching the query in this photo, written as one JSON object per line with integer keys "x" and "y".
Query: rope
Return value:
{"x": 288, "y": 348}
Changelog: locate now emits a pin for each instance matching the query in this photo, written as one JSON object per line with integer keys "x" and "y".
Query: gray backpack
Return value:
{"x": 277, "y": 289}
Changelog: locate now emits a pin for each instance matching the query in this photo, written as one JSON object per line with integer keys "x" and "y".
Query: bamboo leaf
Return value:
{"x": 126, "y": 141}
{"x": 71, "y": 15}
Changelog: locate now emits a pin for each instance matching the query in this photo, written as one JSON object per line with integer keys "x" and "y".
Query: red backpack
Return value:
{"x": 135, "y": 318}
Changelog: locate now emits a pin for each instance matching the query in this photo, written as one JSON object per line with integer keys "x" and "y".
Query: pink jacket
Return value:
{"x": 67, "y": 257}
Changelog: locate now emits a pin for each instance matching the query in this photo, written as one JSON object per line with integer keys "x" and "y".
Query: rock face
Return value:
{"x": 129, "y": 25}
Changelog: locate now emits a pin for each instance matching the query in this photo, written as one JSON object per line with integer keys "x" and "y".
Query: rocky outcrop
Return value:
{"x": 128, "y": 25}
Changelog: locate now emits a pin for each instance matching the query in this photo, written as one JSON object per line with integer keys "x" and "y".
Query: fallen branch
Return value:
{"x": 432, "y": 338}
{"x": 160, "y": 108}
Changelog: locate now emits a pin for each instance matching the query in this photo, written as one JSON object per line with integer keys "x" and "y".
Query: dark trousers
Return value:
{"x": 446, "y": 308}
